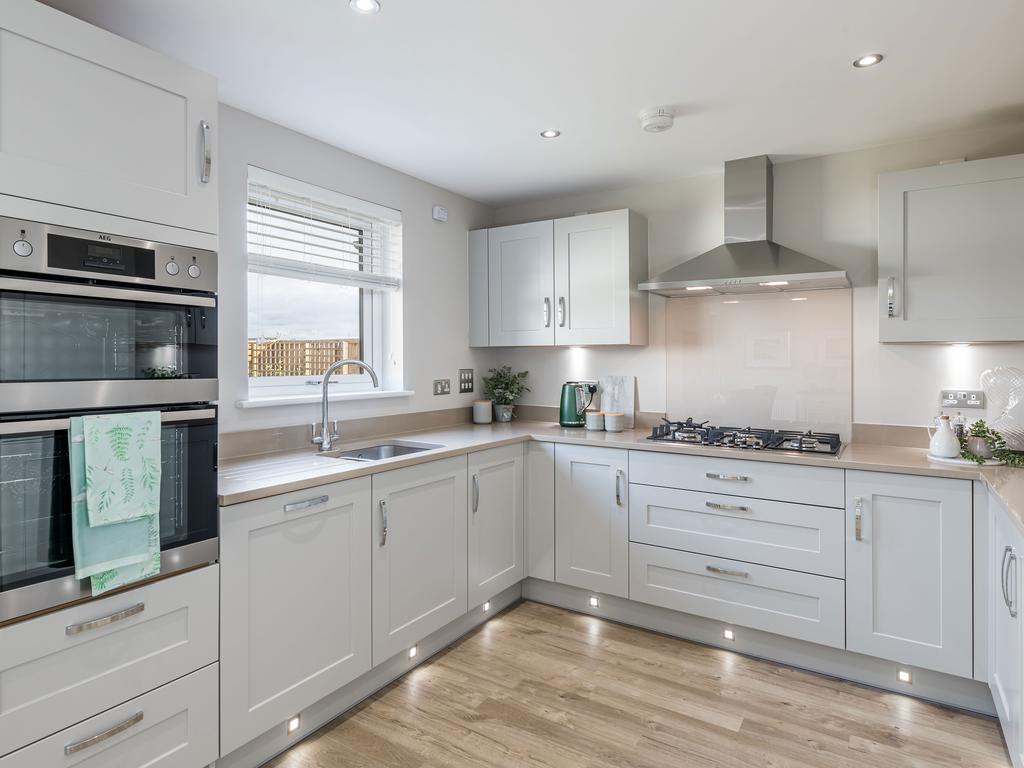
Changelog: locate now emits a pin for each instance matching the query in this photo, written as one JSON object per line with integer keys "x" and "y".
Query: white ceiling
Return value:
{"x": 456, "y": 91}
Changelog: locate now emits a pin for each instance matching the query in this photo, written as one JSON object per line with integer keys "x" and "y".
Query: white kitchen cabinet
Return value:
{"x": 174, "y": 726}
{"x": 496, "y": 548}
{"x": 520, "y": 278}
{"x": 909, "y": 570}
{"x": 295, "y": 607}
{"x": 540, "y": 510}
{"x": 479, "y": 301}
{"x": 419, "y": 553}
{"x": 592, "y": 518}
{"x": 600, "y": 258}
{"x": 93, "y": 121}
{"x": 1006, "y": 637}
{"x": 949, "y": 244}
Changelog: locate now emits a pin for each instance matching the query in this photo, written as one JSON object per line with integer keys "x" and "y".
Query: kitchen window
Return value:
{"x": 324, "y": 283}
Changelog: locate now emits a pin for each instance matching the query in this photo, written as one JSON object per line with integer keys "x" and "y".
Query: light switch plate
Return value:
{"x": 442, "y": 386}
{"x": 962, "y": 398}
{"x": 465, "y": 380}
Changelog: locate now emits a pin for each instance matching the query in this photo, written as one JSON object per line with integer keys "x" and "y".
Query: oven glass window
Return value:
{"x": 35, "y": 504}
{"x": 54, "y": 338}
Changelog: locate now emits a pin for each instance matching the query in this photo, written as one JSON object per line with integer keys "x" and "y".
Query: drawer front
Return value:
{"x": 821, "y": 486}
{"x": 61, "y": 668}
{"x": 172, "y": 727}
{"x": 795, "y": 536}
{"x": 787, "y": 603}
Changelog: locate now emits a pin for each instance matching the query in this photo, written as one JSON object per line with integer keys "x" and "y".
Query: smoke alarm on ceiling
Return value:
{"x": 657, "y": 119}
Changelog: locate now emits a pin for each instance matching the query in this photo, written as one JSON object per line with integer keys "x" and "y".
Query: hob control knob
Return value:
{"x": 23, "y": 248}
{"x": 172, "y": 268}
{"x": 194, "y": 271}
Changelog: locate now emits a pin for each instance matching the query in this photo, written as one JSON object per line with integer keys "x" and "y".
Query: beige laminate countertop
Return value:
{"x": 256, "y": 477}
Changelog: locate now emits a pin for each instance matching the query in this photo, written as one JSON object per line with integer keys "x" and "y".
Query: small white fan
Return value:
{"x": 1004, "y": 388}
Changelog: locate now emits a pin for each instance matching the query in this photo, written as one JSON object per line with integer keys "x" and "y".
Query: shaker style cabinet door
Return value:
{"x": 496, "y": 505}
{"x": 944, "y": 232}
{"x": 521, "y": 283}
{"x": 599, "y": 260}
{"x": 419, "y": 553}
{"x": 1006, "y": 637}
{"x": 592, "y": 518}
{"x": 295, "y": 608}
{"x": 909, "y": 570}
{"x": 94, "y": 121}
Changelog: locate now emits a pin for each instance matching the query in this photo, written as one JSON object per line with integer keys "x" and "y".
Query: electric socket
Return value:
{"x": 442, "y": 386}
{"x": 465, "y": 380}
{"x": 962, "y": 398}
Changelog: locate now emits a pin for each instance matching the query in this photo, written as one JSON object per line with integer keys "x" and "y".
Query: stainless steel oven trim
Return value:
{"x": 46, "y": 596}
{"x": 27, "y": 397}
{"x": 109, "y": 292}
{"x": 30, "y": 426}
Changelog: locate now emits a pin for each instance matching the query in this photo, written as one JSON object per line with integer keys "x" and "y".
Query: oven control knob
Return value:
{"x": 172, "y": 268}
{"x": 193, "y": 270}
{"x": 23, "y": 248}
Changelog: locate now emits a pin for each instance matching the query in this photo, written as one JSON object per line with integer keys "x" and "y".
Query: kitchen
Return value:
{"x": 353, "y": 571}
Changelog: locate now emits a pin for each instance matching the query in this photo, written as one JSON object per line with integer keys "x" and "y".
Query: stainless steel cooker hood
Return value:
{"x": 748, "y": 262}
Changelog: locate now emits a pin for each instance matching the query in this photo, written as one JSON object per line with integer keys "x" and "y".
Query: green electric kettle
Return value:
{"x": 574, "y": 402}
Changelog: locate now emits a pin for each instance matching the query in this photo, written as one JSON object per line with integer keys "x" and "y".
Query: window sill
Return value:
{"x": 273, "y": 401}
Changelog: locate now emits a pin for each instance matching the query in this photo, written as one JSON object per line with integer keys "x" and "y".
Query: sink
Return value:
{"x": 380, "y": 451}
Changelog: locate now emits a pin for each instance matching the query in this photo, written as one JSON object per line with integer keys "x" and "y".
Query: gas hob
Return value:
{"x": 692, "y": 432}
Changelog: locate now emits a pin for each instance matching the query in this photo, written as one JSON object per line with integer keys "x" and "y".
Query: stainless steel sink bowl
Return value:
{"x": 380, "y": 451}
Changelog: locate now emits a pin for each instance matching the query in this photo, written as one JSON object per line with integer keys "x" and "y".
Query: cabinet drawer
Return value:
{"x": 794, "y": 536}
{"x": 784, "y": 602}
{"x": 56, "y": 670}
{"x": 821, "y": 486}
{"x": 172, "y": 727}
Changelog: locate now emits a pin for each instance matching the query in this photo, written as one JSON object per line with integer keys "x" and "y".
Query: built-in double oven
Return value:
{"x": 91, "y": 322}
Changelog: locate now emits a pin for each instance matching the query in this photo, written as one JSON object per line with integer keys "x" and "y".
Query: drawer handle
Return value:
{"x": 99, "y": 738}
{"x": 295, "y": 506}
{"x": 726, "y": 507}
{"x": 726, "y": 571}
{"x": 85, "y": 626}
{"x": 1002, "y": 572}
{"x": 729, "y": 478}
{"x": 891, "y": 298}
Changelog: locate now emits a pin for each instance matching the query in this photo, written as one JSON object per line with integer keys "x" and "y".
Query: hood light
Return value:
{"x": 773, "y": 283}
{"x": 799, "y": 298}
{"x": 868, "y": 60}
{"x": 698, "y": 287}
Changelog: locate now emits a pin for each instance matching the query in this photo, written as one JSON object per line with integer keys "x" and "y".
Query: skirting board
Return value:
{"x": 277, "y": 740}
{"x": 877, "y": 673}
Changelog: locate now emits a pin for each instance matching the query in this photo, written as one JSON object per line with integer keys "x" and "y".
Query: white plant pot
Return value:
{"x": 503, "y": 413}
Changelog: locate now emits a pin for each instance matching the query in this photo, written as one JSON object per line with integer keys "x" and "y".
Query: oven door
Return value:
{"x": 36, "y": 557}
{"x": 75, "y": 345}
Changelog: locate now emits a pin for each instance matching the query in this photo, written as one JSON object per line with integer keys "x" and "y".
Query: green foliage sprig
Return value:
{"x": 505, "y": 387}
{"x": 995, "y": 441}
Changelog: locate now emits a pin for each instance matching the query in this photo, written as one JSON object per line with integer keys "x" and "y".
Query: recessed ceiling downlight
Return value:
{"x": 868, "y": 60}
{"x": 364, "y": 6}
{"x": 550, "y": 133}
{"x": 657, "y": 119}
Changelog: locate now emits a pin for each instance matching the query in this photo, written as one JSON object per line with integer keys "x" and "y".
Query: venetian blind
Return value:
{"x": 305, "y": 232}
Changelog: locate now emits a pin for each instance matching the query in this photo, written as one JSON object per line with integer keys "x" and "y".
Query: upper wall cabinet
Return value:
{"x": 950, "y": 240}
{"x": 93, "y": 121}
{"x": 570, "y": 281}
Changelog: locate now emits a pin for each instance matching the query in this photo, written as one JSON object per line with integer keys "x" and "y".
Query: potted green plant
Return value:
{"x": 504, "y": 387}
{"x": 980, "y": 442}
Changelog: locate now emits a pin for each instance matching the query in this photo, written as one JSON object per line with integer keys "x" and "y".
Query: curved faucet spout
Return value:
{"x": 328, "y": 435}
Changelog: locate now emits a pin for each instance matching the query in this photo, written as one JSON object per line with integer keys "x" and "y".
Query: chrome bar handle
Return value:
{"x": 729, "y": 478}
{"x": 1002, "y": 575}
{"x": 858, "y": 519}
{"x": 619, "y": 477}
{"x": 476, "y": 493}
{"x": 892, "y": 297}
{"x": 383, "y": 521}
{"x": 204, "y": 128}
{"x": 1011, "y": 582}
{"x": 296, "y": 506}
{"x": 561, "y": 311}
{"x": 103, "y": 621}
{"x": 726, "y": 571}
{"x": 726, "y": 507}
{"x": 99, "y": 738}
{"x": 547, "y": 311}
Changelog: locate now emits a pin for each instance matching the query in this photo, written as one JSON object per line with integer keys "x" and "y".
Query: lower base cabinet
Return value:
{"x": 1006, "y": 636}
{"x": 174, "y": 726}
{"x": 295, "y": 604}
{"x": 496, "y": 551}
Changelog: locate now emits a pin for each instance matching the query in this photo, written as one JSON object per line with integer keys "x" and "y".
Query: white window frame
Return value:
{"x": 380, "y": 321}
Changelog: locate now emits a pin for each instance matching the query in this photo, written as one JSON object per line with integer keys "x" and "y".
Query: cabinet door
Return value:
{"x": 540, "y": 510}
{"x": 944, "y": 234}
{"x": 479, "y": 330}
{"x": 592, "y": 280}
{"x": 495, "y": 521}
{"x": 94, "y": 121}
{"x": 295, "y": 608}
{"x": 521, "y": 280}
{"x": 1006, "y": 637}
{"x": 419, "y": 553}
{"x": 592, "y": 518}
{"x": 908, "y": 570}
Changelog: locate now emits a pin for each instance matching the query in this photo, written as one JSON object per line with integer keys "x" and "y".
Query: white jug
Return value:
{"x": 944, "y": 442}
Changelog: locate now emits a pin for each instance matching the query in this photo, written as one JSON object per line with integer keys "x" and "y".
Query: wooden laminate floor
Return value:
{"x": 539, "y": 686}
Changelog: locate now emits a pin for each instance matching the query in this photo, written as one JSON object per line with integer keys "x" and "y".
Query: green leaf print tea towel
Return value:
{"x": 122, "y": 466}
